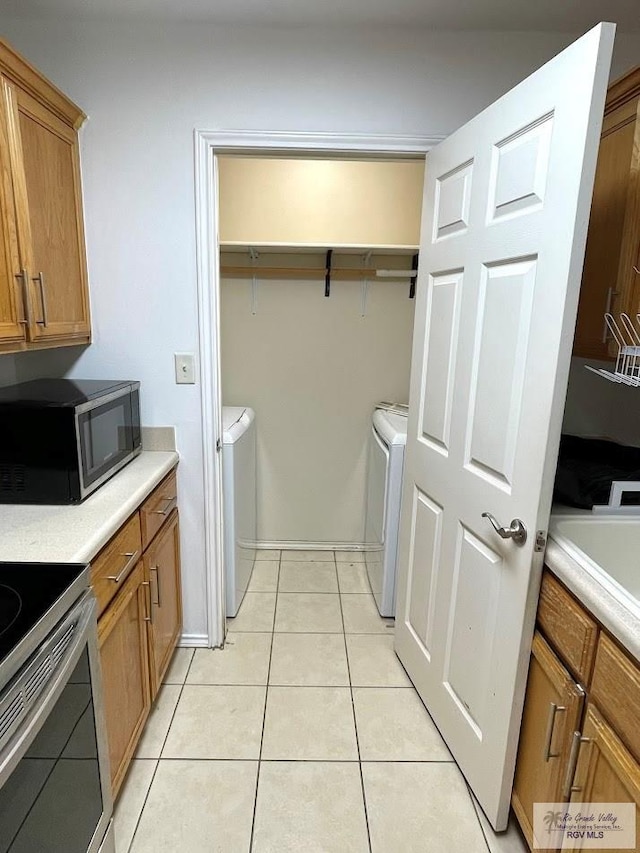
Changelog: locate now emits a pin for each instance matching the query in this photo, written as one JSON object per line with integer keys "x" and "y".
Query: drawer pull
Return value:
{"x": 169, "y": 502}
{"x": 569, "y": 780}
{"x": 145, "y": 617}
{"x": 132, "y": 558}
{"x": 553, "y": 710}
{"x": 155, "y": 569}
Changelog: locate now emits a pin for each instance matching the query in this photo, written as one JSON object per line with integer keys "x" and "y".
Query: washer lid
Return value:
{"x": 391, "y": 428}
{"x": 235, "y": 421}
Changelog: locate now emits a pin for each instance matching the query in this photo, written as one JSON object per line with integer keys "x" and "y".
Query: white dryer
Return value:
{"x": 239, "y": 503}
{"x": 384, "y": 493}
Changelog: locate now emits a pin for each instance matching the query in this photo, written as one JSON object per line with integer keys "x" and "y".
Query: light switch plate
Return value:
{"x": 185, "y": 363}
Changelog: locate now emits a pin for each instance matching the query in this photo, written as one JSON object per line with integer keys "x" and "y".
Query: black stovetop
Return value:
{"x": 27, "y": 592}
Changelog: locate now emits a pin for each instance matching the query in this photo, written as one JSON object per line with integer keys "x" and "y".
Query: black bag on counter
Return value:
{"x": 586, "y": 468}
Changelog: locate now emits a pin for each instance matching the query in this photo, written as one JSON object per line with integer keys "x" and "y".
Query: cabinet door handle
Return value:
{"x": 156, "y": 570}
{"x": 169, "y": 503}
{"x": 569, "y": 780}
{"x": 23, "y": 278}
{"x": 553, "y": 710}
{"x": 132, "y": 557}
{"x": 43, "y": 299}
{"x": 150, "y": 617}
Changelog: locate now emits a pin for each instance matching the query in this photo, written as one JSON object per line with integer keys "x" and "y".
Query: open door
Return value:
{"x": 505, "y": 215}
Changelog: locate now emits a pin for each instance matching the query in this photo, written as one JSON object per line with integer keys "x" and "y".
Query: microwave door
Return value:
{"x": 106, "y": 440}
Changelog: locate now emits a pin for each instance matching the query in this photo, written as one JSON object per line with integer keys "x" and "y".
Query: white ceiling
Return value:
{"x": 548, "y": 15}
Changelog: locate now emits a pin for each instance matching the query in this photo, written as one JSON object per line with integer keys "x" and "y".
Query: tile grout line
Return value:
{"x": 157, "y": 760}
{"x": 475, "y": 811}
{"x": 264, "y": 713}
{"x": 353, "y": 711}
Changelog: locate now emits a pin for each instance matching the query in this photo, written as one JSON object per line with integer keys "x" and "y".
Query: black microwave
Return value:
{"x": 60, "y": 439}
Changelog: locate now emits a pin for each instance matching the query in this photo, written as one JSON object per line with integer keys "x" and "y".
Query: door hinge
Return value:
{"x": 541, "y": 540}
{"x": 218, "y": 445}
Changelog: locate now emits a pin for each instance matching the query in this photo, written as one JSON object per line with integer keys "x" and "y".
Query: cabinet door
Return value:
{"x": 608, "y": 273}
{"x": 606, "y": 771}
{"x": 46, "y": 176}
{"x": 12, "y": 316}
{"x": 162, "y": 570}
{"x": 124, "y": 656}
{"x": 552, "y": 711}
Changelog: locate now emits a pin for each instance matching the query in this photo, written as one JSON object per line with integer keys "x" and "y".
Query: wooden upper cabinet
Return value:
{"x": 12, "y": 313}
{"x": 44, "y": 297}
{"x": 50, "y": 228}
{"x": 610, "y": 281}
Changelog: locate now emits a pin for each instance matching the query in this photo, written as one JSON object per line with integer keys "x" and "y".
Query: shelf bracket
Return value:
{"x": 327, "y": 275}
{"x": 412, "y": 286}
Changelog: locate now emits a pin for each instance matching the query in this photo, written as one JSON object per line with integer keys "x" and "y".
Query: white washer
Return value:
{"x": 239, "y": 503}
{"x": 384, "y": 493}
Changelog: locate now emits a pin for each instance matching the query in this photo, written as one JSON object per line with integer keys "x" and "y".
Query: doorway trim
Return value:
{"x": 207, "y": 145}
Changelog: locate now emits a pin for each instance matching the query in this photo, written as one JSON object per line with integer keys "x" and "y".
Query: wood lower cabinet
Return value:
{"x": 44, "y": 298}
{"x": 606, "y": 772}
{"x": 139, "y": 624}
{"x": 579, "y": 738}
{"x": 162, "y": 570}
{"x": 552, "y": 713}
{"x": 124, "y": 659}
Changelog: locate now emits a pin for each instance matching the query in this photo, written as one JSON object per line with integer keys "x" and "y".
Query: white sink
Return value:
{"x": 608, "y": 549}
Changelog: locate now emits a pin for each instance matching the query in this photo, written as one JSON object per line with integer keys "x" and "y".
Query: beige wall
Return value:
{"x": 320, "y": 201}
{"x": 313, "y": 368}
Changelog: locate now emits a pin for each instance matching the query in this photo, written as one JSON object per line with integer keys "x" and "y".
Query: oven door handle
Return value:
{"x": 21, "y": 733}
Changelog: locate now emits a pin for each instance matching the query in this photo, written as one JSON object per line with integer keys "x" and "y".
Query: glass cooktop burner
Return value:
{"x": 10, "y": 607}
{"x": 27, "y": 591}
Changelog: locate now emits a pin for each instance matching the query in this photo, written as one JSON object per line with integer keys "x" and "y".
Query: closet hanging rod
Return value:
{"x": 337, "y": 273}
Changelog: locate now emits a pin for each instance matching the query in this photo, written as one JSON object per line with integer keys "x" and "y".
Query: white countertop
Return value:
{"x": 617, "y": 619}
{"x": 75, "y": 534}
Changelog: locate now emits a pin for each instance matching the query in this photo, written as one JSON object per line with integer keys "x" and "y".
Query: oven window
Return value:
{"x": 52, "y": 801}
{"x": 106, "y": 437}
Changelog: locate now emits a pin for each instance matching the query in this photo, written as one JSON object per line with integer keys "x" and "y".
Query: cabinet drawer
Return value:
{"x": 158, "y": 507}
{"x": 114, "y": 563}
{"x": 616, "y": 691}
{"x": 571, "y": 631}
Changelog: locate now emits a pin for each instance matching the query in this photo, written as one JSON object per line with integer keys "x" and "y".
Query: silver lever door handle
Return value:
{"x": 516, "y": 531}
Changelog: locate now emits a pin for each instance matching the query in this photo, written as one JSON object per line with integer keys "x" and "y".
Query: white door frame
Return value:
{"x": 209, "y": 143}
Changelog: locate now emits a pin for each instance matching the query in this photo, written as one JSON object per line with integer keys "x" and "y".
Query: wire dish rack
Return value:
{"x": 627, "y": 337}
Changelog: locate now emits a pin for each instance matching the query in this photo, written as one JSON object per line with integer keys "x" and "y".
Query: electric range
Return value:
{"x": 55, "y": 787}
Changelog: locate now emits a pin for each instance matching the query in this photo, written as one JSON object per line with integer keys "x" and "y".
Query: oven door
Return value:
{"x": 108, "y": 433}
{"x": 55, "y": 792}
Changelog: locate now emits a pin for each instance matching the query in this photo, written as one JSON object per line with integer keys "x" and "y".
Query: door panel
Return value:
{"x": 427, "y": 524}
{"x": 162, "y": 571}
{"x": 503, "y": 233}
{"x": 50, "y": 227}
{"x": 443, "y": 314}
{"x": 499, "y": 359}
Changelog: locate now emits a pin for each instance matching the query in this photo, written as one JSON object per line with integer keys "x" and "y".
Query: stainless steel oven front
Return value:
{"x": 55, "y": 791}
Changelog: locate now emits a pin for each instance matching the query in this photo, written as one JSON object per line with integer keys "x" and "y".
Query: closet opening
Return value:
{"x": 318, "y": 257}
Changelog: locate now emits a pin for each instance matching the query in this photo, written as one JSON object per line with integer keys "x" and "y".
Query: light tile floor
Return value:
{"x": 304, "y": 734}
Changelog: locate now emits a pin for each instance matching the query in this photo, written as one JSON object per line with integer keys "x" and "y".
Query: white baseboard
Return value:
{"x": 194, "y": 641}
{"x": 289, "y": 545}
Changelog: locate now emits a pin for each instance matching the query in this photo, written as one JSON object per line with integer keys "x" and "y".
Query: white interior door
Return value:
{"x": 505, "y": 215}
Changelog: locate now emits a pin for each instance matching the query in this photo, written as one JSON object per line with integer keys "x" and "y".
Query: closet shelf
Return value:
{"x": 327, "y": 270}
{"x": 337, "y": 273}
